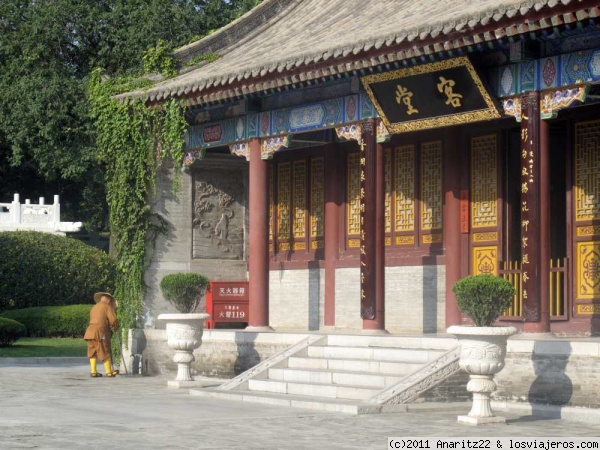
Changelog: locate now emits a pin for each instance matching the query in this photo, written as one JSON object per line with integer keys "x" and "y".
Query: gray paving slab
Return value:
{"x": 58, "y": 406}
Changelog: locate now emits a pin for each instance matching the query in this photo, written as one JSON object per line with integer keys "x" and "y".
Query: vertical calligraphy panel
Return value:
{"x": 271, "y": 207}
{"x": 368, "y": 221}
{"x": 530, "y": 208}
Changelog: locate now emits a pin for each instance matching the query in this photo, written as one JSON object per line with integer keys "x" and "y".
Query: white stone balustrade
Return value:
{"x": 41, "y": 217}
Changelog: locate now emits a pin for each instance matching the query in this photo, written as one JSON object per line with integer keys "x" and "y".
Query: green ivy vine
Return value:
{"x": 159, "y": 59}
{"x": 133, "y": 140}
{"x": 208, "y": 57}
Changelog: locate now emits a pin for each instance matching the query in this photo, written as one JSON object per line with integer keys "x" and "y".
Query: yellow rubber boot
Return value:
{"x": 108, "y": 368}
{"x": 93, "y": 367}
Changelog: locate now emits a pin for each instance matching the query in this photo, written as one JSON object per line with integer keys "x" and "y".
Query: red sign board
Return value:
{"x": 227, "y": 301}
{"x": 464, "y": 211}
{"x": 230, "y": 312}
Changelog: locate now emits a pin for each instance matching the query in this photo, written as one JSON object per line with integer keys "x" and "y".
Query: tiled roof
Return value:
{"x": 282, "y": 42}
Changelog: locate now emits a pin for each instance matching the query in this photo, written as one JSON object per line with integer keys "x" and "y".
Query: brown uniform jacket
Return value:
{"x": 103, "y": 321}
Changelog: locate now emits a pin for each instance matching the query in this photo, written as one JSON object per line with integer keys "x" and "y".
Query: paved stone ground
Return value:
{"x": 53, "y": 406}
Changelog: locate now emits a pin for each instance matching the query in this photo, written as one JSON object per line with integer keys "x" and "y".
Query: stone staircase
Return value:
{"x": 345, "y": 373}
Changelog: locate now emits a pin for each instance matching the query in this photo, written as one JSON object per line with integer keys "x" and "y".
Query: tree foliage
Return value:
{"x": 47, "y": 50}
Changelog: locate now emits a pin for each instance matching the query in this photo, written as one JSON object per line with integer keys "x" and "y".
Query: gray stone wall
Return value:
{"x": 544, "y": 372}
{"x": 296, "y": 299}
{"x": 414, "y": 299}
{"x": 223, "y": 354}
{"x": 554, "y": 372}
{"x": 174, "y": 251}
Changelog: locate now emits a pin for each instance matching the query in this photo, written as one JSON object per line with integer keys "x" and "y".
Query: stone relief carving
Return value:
{"x": 424, "y": 379}
{"x": 218, "y": 219}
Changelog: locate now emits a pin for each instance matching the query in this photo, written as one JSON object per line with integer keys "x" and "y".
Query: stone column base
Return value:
{"x": 468, "y": 420}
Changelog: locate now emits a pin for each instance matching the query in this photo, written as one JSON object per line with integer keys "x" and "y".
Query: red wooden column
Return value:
{"x": 535, "y": 217}
{"x": 452, "y": 220}
{"x": 258, "y": 249}
{"x": 372, "y": 244}
{"x": 332, "y": 230}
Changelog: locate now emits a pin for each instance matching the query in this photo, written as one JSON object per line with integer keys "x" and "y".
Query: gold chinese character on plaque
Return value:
{"x": 524, "y": 239}
{"x": 524, "y": 208}
{"x": 524, "y": 187}
{"x": 403, "y": 95}
{"x": 525, "y": 224}
{"x": 524, "y": 134}
{"x": 361, "y": 144}
{"x": 447, "y": 87}
{"x": 525, "y": 277}
{"x": 524, "y": 171}
{"x": 525, "y": 259}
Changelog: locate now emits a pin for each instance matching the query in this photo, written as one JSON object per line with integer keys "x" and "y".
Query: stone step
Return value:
{"x": 407, "y": 342}
{"x": 312, "y": 389}
{"x": 361, "y": 379}
{"x": 336, "y": 405}
{"x": 373, "y": 354}
{"x": 357, "y": 365}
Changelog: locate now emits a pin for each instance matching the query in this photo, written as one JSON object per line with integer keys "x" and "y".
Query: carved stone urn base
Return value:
{"x": 482, "y": 353}
{"x": 184, "y": 335}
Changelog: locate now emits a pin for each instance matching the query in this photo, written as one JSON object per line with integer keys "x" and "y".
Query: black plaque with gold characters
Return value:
{"x": 431, "y": 95}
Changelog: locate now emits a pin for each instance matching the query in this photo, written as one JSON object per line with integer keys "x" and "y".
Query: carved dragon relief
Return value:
{"x": 218, "y": 219}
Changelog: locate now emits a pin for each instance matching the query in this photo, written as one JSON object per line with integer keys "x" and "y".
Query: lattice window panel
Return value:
{"x": 284, "y": 194}
{"x": 431, "y": 186}
{"x": 484, "y": 182}
{"x": 317, "y": 197}
{"x": 299, "y": 219}
{"x": 353, "y": 194}
{"x": 587, "y": 173}
{"x": 388, "y": 191}
{"x": 405, "y": 188}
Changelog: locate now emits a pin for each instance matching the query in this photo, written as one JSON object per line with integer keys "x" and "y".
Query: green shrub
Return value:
{"x": 10, "y": 331}
{"x": 184, "y": 290}
{"x": 42, "y": 269}
{"x": 53, "y": 321}
{"x": 483, "y": 297}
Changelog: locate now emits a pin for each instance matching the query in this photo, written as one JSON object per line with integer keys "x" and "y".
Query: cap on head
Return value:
{"x": 98, "y": 296}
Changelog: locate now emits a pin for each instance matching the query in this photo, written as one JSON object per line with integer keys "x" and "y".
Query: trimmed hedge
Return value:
{"x": 10, "y": 331}
{"x": 53, "y": 321}
{"x": 42, "y": 269}
{"x": 483, "y": 297}
{"x": 184, "y": 290}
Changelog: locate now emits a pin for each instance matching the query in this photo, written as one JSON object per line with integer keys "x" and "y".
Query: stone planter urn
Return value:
{"x": 184, "y": 335}
{"x": 482, "y": 353}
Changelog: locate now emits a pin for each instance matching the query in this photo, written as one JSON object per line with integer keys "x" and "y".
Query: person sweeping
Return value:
{"x": 103, "y": 321}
